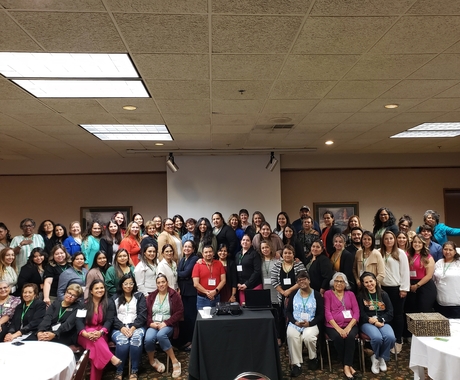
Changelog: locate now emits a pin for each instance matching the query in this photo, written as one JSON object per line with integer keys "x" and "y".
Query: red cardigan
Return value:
{"x": 175, "y": 306}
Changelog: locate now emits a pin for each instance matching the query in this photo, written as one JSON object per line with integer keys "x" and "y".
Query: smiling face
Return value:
{"x": 96, "y": 230}
{"x": 38, "y": 258}
{"x": 217, "y": 221}
{"x": 353, "y": 222}
{"x": 28, "y": 294}
{"x": 265, "y": 249}
{"x": 75, "y": 229}
{"x": 134, "y": 231}
{"x": 244, "y": 218}
{"x": 3, "y": 234}
{"x": 223, "y": 253}
{"x": 59, "y": 231}
{"x": 157, "y": 222}
{"x": 48, "y": 227}
{"x": 190, "y": 226}
{"x": 78, "y": 262}
{"x": 127, "y": 286}
{"x": 169, "y": 226}
{"x": 426, "y": 235}
{"x": 307, "y": 224}
{"x": 449, "y": 252}
{"x": 4, "y": 290}
{"x": 404, "y": 226}
{"x": 98, "y": 290}
{"x": 339, "y": 284}
{"x": 384, "y": 216}
{"x": 28, "y": 228}
{"x": 150, "y": 253}
{"x": 178, "y": 223}
{"x": 339, "y": 244}
{"x": 245, "y": 242}
{"x": 122, "y": 258}
{"x": 369, "y": 283}
{"x": 9, "y": 257}
{"x": 402, "y": 241}
{"x": 188, "y": 248}
{"x": 288, "y": 232}
{"x": 430, "y": 220}
{"x": 162, "y": 284}
{"x": 282, "y": 220}
{"x": 234, "y": 223}
{"x": 288, "y": 256}
{"x": 265, "y": 232}
{"x": 257, "y": 219}
{"x": 417, "y": 244}
{"x": 119, "y": 218}
{"x": 366, "y": 241}
{"x": 388, "y": 242}
{"x": 101, "y": 260}
{"x": 328, "y": 220}
{"x": 168, "y": 253}
{"x": 113, "y": 228}
{"x": 316, "y": 249}
{"x": 356, "y": 236}
{"x": 151, "y": 230}
{"x": 59, "y": 256}
{"x": 139, "y": 219}
{"x": 208, "y": 254}
{"x": 202, "y": 227}
{"x": 304, "y": 283}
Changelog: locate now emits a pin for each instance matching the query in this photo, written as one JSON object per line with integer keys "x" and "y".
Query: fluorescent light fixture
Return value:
{"x": 84, "y": 88}
{"x": 129, "y": 132}
{"x": 272, "y": 163}
{"x": 171, "y": 164}
{"x": 437, "y": 127}
{"x": 422, "y": 134}
{"x": 66, "y": 65}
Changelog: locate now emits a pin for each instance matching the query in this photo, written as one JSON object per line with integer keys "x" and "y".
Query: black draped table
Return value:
{"x": 225, "y": 346}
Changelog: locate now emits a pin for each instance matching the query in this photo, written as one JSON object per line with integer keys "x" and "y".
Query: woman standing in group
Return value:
{"x": 403, "y": 241}
{"x": 27, "y": 315}
{"x": 139, "y": 219}
{"x": 46, "y": 230}
{"x": 307, "y": 235}
{"x": 170, "y": 237}
{"x": 59, "y": 236}
{"x": 93, "y": 324}
{"x": 248, "y": 266}
{"x": 73, "y": 243}
{"x": 34, "y": 270}
{"x": 5, "y": 237}
{"x": 132, "y": 242}
{"x": 188, "y": 293}
{"x": 319, "y": 267}
{"x": 168, "y": 266}
{"x": 97, "y": 271}
{"x": 8, "y": 304}
{"x": 8, "y": 268}
{"x": 129, "y": 325}
{"x": 179, "y": 225}
{"x": 376, "y": 311}
{"x": 58, "y": 262}
{"x": 268, "y": 263}
{"x": 329, "y": 232}
{"x": 342, "y": 260}
{"x": 405, "y": 225}
{"x": 111, "y": 239}
{"x": 121, "y": 265}
{"x": 147, "y": 269}
{"x": 384, "y": 220}
{"x": 235, "y": 223}
{"x": 76, "y": 274}
{"x": 119, "y": 217}
{"x": 440, "y": 230}
{"x": 266, "y": 233}
{"x": 150, "y": 236}
{"x": 447, "y": 280}
{"x": 290, "y": 237}
{"x": 23, "y": 244}
{"x": 91, "y": 242}
{"x": 228, "y": 292}
{"x": 257, "y": 219}
{"x": 368, "y": 259}
{"x": 395, "y": 283}
{"x": 158, "y": 223}
{"x": 203, "y": 236}
{"x": 353, "y": 221}
{"x": 164, "y": 311}
{"x": 245, "y": 225}
{"x": 282, "y": 220}
{"x": 224, "y": 233}
{"x": 341, "y": 319}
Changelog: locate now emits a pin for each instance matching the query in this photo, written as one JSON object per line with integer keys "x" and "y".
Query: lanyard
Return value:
{"x": 160, "y": 305}
{"x": 267, "y": 267}
{"x": 79, "y": 274}
{"x": 65, "y": 267}
{"x": 25, "y": 311}
{"x": 103, "y": 274}
{"x": 241, "y": 257}
{"x": 342, "y": 301}
{"x": 444, "y": 269}
{"x": 304, "y": 303}
{"x": 61, "y": 313}
{"x": 209, "y": 267}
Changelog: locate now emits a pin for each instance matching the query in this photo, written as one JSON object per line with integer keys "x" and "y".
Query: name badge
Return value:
{"x": 239, "y": 268}
{"x": 6, "y": 305}
{"x": 267, "y": 281}
{"x": 13, "y": 289}
{"x": 81, "y": 313}
{"x": 413, "y": 273}
{"x": 56, "y": 327}
{"x": 346, "y": 314}
{"x": 377, "y": 241}
{"x": 158, "y": 318}
{"x": 83, "y": 288}
{"x": 286, "y": 281}
{"x": 212, "y": 282}
{"x": 304, "y": 316}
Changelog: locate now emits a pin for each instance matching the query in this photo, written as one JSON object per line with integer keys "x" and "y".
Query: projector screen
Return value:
{"x": 204, "y": 185}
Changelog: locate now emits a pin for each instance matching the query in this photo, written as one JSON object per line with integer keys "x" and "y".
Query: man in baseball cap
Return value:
{"x": 303, "y": 213}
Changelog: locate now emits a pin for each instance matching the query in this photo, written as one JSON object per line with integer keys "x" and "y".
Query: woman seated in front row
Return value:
{"x": 8, "y": 304}
{"x": 129, "y": 325}
{"x": 376, "y": 311}
{"x": 27, "y": 315}
{"x": 305, "y": 312}
{"x": 341, "y": 312}
{"x": 164, "y": 311}
{"x": 59, "y": 322}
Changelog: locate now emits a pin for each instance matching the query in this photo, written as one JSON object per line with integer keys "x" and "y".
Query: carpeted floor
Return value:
{"x": 147, "y": 372}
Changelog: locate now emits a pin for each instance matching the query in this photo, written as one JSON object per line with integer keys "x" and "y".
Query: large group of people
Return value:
{"x": 142, "y": 284}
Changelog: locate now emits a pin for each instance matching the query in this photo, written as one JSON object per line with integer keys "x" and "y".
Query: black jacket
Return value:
{"x": 329, "y": 243}
{"x": 251, "y": 274}
{"x": 228, "y": 236}
{"x": 66, "y": 331}
{"x": 184, "y": 276}
{"x": 320, "y": 272}
{"x": 141, "y": 312}
{"x": 31, "y": 319}
{"x": 28, "y": 275}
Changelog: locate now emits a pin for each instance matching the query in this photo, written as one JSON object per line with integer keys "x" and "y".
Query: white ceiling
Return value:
{"x": 326, "y": 66}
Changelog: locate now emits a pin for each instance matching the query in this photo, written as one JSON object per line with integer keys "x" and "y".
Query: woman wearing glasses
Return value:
{"x": 128, "y": 325}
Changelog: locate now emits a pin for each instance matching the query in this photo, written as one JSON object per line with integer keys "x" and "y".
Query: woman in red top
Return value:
{"x": 132, "y": 242}
{"x": 328, "y": 232}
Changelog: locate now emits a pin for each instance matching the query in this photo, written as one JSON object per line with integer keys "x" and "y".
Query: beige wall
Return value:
{"x": 410, "y": 191}
{"x": 59, "y": 197}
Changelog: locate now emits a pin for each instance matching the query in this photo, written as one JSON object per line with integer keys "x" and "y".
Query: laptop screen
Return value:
{"x": 258, "y": 298}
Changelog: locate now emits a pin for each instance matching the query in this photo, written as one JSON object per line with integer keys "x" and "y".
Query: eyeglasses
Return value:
{"x": 71, "y": 295}
{"x": 128, "y": 284}
{"x": 27, "y": 226}
{"x": 339, "y": 281}
{"x": 302, "y": 279}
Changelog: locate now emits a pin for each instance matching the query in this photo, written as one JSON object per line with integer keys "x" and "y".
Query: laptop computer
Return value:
{"x": 258, "y": 299}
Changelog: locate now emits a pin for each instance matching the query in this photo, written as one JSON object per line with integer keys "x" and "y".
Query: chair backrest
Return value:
{"x": 80, "y": 369}
{"x": 251, "y": 376}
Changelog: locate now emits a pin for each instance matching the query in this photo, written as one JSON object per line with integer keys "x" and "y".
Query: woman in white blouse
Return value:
{"x": 147, "y": 269}
{"x": 447, "y": 280}
{"x": 168, "y": 266}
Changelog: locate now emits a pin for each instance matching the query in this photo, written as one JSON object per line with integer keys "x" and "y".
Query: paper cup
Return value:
{"x": 207, "y": 310}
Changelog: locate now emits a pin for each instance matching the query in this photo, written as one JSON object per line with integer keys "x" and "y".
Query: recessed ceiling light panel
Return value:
{"x": 129, "y": 132}
{"x": 437, "y": 127}
{"x": 135, "y": 136}
{"x": 422, "y": 134}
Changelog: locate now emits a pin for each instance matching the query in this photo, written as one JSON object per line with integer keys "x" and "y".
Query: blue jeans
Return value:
{"x": 161, "y": 336}
{"x": 382, "y": 339}
{"x": 125, "y": 346}
{"x": 205, "y": 301}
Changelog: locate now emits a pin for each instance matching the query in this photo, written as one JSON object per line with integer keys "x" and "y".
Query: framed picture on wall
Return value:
{"x": 103, "y": 214}
{"x": 341, "y": 210}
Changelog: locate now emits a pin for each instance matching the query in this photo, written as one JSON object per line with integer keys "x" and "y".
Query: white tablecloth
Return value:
{"x": 37, "y": 361}
{"x": 440, "y": 357}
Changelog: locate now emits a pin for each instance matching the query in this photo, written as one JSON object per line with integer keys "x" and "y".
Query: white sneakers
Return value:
{"x": 382, "y": 365}
{"x": 398, "y": 348}
{"x": 375, "y": 367}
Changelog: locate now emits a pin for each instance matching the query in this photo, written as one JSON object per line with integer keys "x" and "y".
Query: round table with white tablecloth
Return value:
{"x": 37, "y": 361}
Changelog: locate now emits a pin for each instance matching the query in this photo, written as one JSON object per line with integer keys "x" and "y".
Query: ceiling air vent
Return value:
{"x": 283, "y": 126}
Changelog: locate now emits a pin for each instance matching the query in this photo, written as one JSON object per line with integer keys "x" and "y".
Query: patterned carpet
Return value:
{"x": 147, "y": 372}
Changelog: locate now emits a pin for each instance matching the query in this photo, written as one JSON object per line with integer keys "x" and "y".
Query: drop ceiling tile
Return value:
{"x": 360, "y": 8}
{"x": 317, "y": 67}
{"x": 234, "y": 107}
{"x": 312, "y": 127}
{"x": 377, "y": 105}
{"x": 74, "y": 105}
{"x": 230, "y": 89}
{"x": 158, "y": 6}
{"x": 288, "y": 89}
{"x": 7, "y": 121}
{"x": 253, "y": 34}
{"x": 449, "y": 117}
{"x": 244, "y": 128}
{"x": 189, "y": 128}
{"x": 13, "y": 37}
{"x": 10, "y": 91}
{"x": 326, "y": 118}
{"x": 353, "y": 127}
{"x": 40, "y": 119}
{"x": 172, "y": 66}
{"x": 455, "y": 48}
{"x": 55, "y": 5}
{"x": 84, "y": 118}
{"x": 245, "y": 66}
{"x": 435, "y": 7}
{"x": 289, "y": 106}
{"x": 197, "y": 106}
{"x": 280, "y": 118}
{"x": 234, "y": 119}
{"x": 233, "y": 144}
{"x": 17, "y": 107}
{"x": 184, "y": 144}
{"x": 360, "y": 88}
{"x": 187, "y": 119}
{"x": 228, "y": 137}
{"x": 160, "y": 33}
{"x": 261, "y": 6}
{"x": 115, "y": 105}
{"x": 340, "y": 35}
{"x": 437, "y": 105}
{"x": 387, "y": 66}
{"x": 418, "y": 88}
{"x": 180, "y": 89}
{"x": 416, "y": 117}
{"x": 420, "y": 34}
{"x": 201, "y": 137}
{"x": 444, "y": 66}
{"x": 340, "y": 105}
{"x": 138, "y": 118}
{"x": 453, "y": 92}
{"x": 71, "y": 32}
{"x": 373, "y": 118}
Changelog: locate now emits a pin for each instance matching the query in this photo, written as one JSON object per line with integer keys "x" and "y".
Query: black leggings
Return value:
{"x": 398, "y": 311}
{"x": 345, "y": 347}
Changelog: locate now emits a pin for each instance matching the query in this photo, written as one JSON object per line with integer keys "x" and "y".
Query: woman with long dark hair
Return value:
{"x": 34, "y": 270}
{"x": 5, "y": 237}
{"x": 98, "y": 270}
{"x": 147, "y": 270}
{"x": 59, "y": 236}
{"x": 168, "y": 266}
{"x": 342, "y": 260}
{"x": 139, "y": 219}
{"x": 111, "y": 239}
{"x": 90, "y": 244}
{"x": 93, "y": 323}
{"x": 319, "y": 267}
{"x": 282, "y": 220}
{"x": 248, "y": 267}
{"x": 76, "y": 274}
{"x": 8, "y": 268}
{"x": 119, "y": 217}
{"x": 59, "y": 260}
{"x": 384, "y": 220}
{"x": 329, "y": 232}
{"x": 224, "y": 233}
{"x": 46, "y": 230}
{"x": 170, "y": 237}
{"x": 228, "y": 292}
{"x": 290, "y": 238}
{"x": 203, "y": 236}
{"x": 179, "y": 225}
{"x": 265, "y": 233}
{"x": 122, "y": 264}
